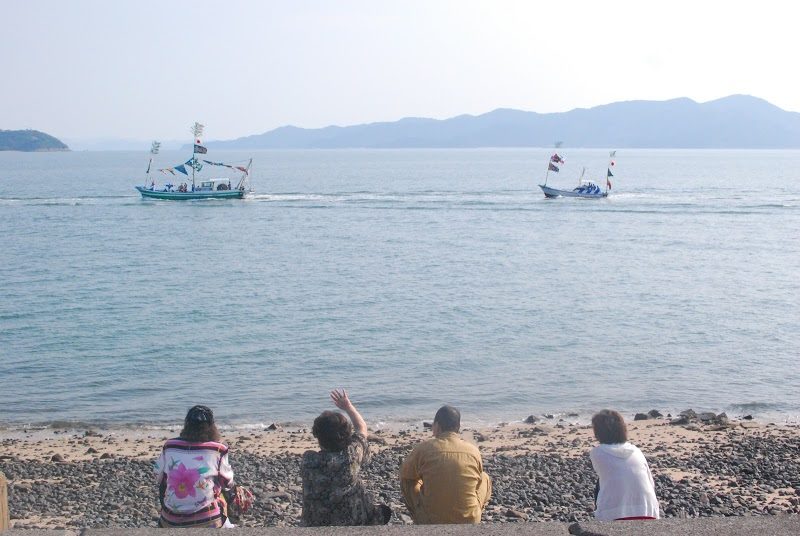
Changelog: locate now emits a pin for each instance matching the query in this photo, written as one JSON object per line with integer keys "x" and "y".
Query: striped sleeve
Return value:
{"x": 159, "y": 465}
{"x": 225, "y": 472}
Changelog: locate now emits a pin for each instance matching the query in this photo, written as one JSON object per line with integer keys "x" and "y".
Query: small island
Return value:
{"x": 29, "y": 141}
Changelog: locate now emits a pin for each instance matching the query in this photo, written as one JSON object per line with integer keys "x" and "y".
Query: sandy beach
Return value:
{"x": 540, "y": 470}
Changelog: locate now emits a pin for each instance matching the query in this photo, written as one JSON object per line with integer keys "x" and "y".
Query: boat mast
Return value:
{"x": 551, "y": 166}
{"x": 547, "y": 173}
{"x": 247, "y": 174}
{"x": 611, "y": 156}
{"x": 197, "y": 130}
{"x": 153, "y": 151}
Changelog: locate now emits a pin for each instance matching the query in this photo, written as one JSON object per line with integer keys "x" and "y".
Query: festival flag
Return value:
{"x": 608, "y": 183}
{"x": 148, "y": 166}
{"x": 242, "y": 169}
{"x": 609, "y": 174}
{"x": 155, "y": 147}
{"x": 612, "y": 162}
{"x": 612, "y": 154}
{"x": 181, "y": 168}
{"x": 552, "y": 167}
{"x": 199, "y": 149}
{"x": 195, "y": 163}
{"x": 197, "y": 130}
{"x": 557, "y": 159}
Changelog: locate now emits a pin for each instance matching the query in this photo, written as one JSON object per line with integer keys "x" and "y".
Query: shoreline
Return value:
{"x": 574, "y": 418}
{"x": 540, "y": 471}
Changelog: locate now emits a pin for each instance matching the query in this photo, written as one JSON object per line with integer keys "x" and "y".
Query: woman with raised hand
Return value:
{"x": 333, "y": 491}
{"x": 626, "y": 487}
{"x": 192, "y": 472}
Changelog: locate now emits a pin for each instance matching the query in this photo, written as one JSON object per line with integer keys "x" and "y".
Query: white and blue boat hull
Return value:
{"x": 551, "y": 193}
{"x": 177, "y": 196}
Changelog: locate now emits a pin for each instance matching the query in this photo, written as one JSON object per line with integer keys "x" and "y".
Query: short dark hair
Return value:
{"x": 199, "y": 426}
{"x": 448, "y": 418}
{"x": 333, "y": 431}
{"x": 609, "y": 427}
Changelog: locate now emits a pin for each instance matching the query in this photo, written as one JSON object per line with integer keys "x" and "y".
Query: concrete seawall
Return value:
{"x": 787, "y": 525}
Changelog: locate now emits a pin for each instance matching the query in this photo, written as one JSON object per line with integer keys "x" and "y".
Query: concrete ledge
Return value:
{"x": 729, "y": 526}
{"x": 788, "y": 525}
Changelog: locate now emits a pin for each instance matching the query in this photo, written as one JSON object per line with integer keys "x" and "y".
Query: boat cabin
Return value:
{"x": 214, "y": 185}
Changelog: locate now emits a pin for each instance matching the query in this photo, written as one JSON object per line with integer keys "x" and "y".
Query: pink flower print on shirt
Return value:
{"x": 182, "y": 481}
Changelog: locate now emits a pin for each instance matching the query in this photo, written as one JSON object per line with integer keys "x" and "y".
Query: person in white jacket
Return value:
{"x": 627, "y": 490}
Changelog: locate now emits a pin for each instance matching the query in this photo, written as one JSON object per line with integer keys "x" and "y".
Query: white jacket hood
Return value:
{"x": 619, "y": 450}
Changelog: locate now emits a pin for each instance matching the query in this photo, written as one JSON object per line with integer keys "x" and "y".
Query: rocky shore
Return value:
{"x": 540, "y": 471}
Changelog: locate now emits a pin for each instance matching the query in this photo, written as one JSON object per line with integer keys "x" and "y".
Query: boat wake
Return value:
{"x": 68, "y": 201}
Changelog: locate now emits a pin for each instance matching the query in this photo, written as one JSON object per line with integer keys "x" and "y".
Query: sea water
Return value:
{"x": 412, "y": 278}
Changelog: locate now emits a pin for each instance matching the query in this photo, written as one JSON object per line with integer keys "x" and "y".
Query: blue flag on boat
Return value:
{"x": 552, "y": 167}
{"x": 181, "y": 168}
{"x": 194, "y": 163}
{"x": 609, "y": 174}
{"x": 199, "y": 149}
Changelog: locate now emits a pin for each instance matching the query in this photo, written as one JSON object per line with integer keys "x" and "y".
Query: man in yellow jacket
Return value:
{"x": 443, "y": 479}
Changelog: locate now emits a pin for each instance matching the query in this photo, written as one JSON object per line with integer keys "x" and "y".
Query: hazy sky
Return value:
{"x": 147, "y": 69}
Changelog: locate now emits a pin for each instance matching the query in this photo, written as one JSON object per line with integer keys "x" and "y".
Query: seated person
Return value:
{"x": 443, "y": 479}
{"x": 192, "y": 472}
{"x": 626, "y": 487}
{"x": 333, "y": 492}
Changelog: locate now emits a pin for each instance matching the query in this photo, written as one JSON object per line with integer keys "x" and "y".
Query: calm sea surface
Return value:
{"x": 411, "y": 277}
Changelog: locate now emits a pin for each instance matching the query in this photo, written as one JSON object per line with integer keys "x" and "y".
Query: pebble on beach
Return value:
{"x": 539, "y": 473}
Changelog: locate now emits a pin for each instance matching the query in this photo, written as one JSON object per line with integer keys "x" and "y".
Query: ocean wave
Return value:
{"x": 754, "y": 406}
{"x": 65, "y": 201}
{"x": 289, "y": 197}
{"x": 761, "y": 412}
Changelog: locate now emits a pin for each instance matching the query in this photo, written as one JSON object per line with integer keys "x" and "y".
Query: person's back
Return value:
{"x": 442, "y": 479}
{"x": 626, "y": 486}
{"x": 333, "y": 491}
{"x": 192, "y": 471}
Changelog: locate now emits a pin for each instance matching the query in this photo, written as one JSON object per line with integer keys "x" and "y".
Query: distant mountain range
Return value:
{"x": 29, "y": 140}
{"x": 738, "y": 121}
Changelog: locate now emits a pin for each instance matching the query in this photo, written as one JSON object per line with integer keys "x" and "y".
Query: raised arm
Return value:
{"x": 340, "y": 399}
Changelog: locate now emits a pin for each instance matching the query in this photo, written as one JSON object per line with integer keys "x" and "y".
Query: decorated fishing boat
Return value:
{"x": 200, "y": 188}
{"x": 585, "y": 189}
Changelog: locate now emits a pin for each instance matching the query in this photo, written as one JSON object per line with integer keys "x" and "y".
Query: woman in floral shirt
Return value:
{"x": 192, "y": 471}
{"x": 333, "y": 492}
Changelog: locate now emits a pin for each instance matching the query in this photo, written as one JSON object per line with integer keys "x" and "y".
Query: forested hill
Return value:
{"x": 736, "y": 122}
{"x": 29, "y": 140}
